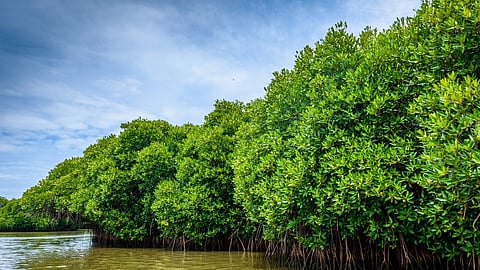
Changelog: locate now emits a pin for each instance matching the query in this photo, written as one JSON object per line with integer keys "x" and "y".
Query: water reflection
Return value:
{"x": 26, "y": 250}
{"x": 75, "y": 251}
{"x": 110, "y": 258}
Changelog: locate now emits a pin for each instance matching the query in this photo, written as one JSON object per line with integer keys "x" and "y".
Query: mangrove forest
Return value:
{"x": 364, "y": 155}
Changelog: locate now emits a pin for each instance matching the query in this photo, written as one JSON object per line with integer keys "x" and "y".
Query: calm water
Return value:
{"x": 74, "y": 250}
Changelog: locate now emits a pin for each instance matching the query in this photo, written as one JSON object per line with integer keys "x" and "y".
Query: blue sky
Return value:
{"x": 72, "y": 71}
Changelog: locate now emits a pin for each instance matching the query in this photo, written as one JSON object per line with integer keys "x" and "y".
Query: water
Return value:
{"x": 74, "y": 250}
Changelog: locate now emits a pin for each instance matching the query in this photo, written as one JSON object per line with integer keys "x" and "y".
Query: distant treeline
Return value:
{"x": 365, "y": 155}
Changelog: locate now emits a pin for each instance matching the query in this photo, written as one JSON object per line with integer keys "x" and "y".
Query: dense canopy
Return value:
{"x": 369, "y": 146}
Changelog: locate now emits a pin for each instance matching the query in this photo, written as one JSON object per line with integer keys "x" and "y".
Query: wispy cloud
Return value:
{"x": 378, "y": 14}
{"x": 71, "y": 72}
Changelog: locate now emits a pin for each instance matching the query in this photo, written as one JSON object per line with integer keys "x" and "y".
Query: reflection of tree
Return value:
{"x": 42, "y": 250}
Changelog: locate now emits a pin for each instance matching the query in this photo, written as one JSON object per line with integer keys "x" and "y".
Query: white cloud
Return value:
{"x": 98, "y": 64}
{"x": 18, "y": 175}
{"x": 120, "y": 87}
{"x": 7, "y": 146}
{"x": 378, "y": 14}
{"x": 63, "y": 117}
{"x": 19, "y": 121}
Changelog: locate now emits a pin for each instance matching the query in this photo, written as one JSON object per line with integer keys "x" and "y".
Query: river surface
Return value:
{"x": 74, "y": 250}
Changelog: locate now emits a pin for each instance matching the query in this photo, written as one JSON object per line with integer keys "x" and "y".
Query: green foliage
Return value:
{"x": 86, "y": 199}
{"x": 372, "y": 137}
{"x": 449, "y": 115}
{"x": 14, "y": 216}
{"x": 48, "y": 203}
{"x": 335, "y": 145}
{"x": 198, "y": 202}
{"x": 3, "y": 201}
{"x": 125, "y": 174}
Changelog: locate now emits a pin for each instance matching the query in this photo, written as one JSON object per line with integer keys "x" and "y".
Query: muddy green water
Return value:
{"x": 74, "y": 250}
